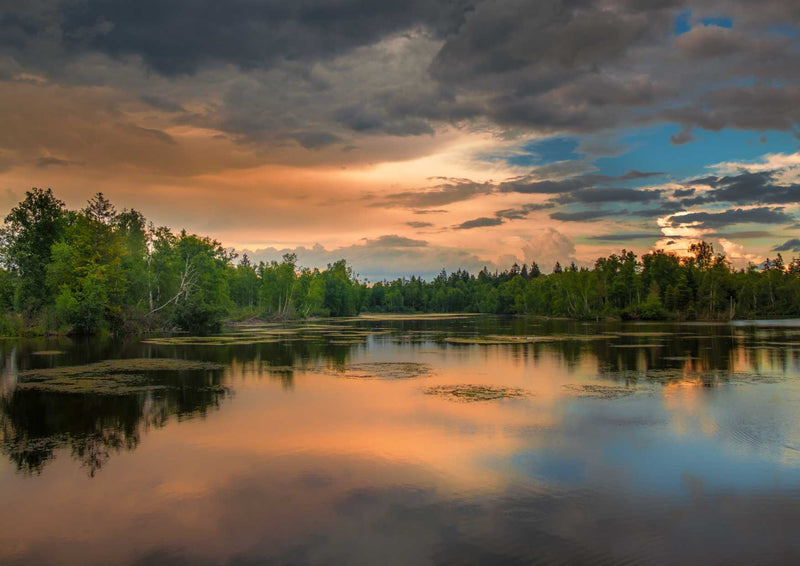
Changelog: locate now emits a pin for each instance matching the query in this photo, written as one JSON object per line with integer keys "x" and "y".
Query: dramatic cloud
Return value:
{"x": 744, "y": 188}
{"x": 792, "y": 245}
{"x": 448, "y": 192}
{"x": 479, "y": 223}
{"x": 181, "y": 36}
{"x": 569, "y": 185}
{"x": 585, "y": 215}
{"x": 760, "y": 215}
{"x": 523, "y": 211}
{"x": 300, "y": 121}
{"x": 609, "y": 194}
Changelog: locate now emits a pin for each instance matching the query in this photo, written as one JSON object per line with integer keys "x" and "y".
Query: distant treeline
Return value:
{"x": 99, "y": 269}
{"x": 657, "y": 286}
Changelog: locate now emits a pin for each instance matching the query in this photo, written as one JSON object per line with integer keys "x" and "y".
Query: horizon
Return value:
{"x": 411, "y": 138}
{"x": 317, "y": 256}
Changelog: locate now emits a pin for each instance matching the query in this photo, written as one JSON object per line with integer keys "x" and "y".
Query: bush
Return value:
{"x": 197, "y": 317}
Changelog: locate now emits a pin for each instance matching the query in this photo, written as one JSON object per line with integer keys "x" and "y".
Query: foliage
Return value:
{"x": 28, "y": 233}
{"x": 657, "y": 286}
{"x": 101, "y": 270}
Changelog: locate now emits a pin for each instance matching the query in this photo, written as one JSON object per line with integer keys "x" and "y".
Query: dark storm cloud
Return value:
{"x": 550, "y": 65}
{"x": 530, "y": 185}
{"x": 554, "y": 64}
{"x": 501, "y": 216}
{"x": 660, "y": 210}
{"x": 710, "y": 180}
{"x": 792, "y": 245}
{"x": 758, "y": 107}
{"x": 609, "y": 194}
{"x": 176, "y": 37}
{"x": 523, "y": 211}
{"x": 364, "y": 120}
{"x": 761, "y": 215}
{"x": 415, "y": 224}
{"x": 448, "y": 192}
{"x": 314, "y": 139}
{"x": 535, "y": 60}
{"x": 161, "y": 103}
{"x": 682, "y": 193}
{"x": 744, "y": 188}
{"x": 586, "y": 215}
{"x": 481, "y": 222}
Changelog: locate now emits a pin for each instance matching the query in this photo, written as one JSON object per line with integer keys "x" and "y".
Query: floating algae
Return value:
{"x": 650, "y": 334}
{"x": 107, "y": 377}
{"x": 424, "y": 316}
{"x": 47, "y": 353}
{"x": 468, "y": 393}
{"x": 596, "y": 391}
{"x": 708, "y": 378}
{"x": 212, "y": 341}
{"x": 250, "y": 335}
{"x": 279, "y": 369}
{"x": 379, "y": 370}
{"x": 637, "y": 345}
{"x": 495, "y": 339}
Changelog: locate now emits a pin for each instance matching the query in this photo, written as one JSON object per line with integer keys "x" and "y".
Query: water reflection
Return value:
{"x": 312, "y": 464}
{"x": 36, "y": 424}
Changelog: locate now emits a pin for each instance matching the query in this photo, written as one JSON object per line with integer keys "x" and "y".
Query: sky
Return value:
{"x": 409, "y": 136}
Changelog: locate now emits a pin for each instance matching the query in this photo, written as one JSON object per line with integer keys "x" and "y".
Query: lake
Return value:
{"x": 394, "y": 440}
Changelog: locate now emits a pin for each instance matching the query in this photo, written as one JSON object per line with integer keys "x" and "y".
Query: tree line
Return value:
{"x": 102, "y": 270}
{"x": 658, "y": 286}
{"x": 98, "y": 269}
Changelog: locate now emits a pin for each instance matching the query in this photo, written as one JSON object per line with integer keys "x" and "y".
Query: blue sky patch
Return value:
{"x": 683, "y": 22}
{"x": 651, "y": 150}
{"x": 539, "y": 152}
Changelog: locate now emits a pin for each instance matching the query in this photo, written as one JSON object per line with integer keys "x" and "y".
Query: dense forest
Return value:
{"x": 102, "y": 270}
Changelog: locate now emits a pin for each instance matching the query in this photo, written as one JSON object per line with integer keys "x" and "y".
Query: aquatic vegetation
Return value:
{"x": 643, "y": 333}
{"x": 708, "y": 378}
{"x": 271, "y": 334}
{"x": 107, "y": 377}
{"x": 279, "y": 369}
{"x": 378, "y": 370}
{"x": 422, "y": 316}
{"x": 47, "y": 353}
{"x": 471, "y": 393}
{"x": 597, "y": 391}
{"x": 211, "y": 341}
{"x": 636, "y": 345}
{"x": 502, "y": 339}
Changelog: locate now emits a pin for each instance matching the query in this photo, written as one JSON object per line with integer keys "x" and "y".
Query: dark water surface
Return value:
{"x": 621, "y": 444}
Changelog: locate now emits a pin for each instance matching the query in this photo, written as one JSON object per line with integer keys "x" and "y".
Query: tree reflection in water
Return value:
{"x": 34, "y": 424}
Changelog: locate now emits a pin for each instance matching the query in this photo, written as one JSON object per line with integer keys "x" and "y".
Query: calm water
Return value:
{"x": 652, "y": 444}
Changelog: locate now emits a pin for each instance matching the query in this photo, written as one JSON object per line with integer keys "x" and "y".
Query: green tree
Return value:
{"x": 26, "y": 239}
